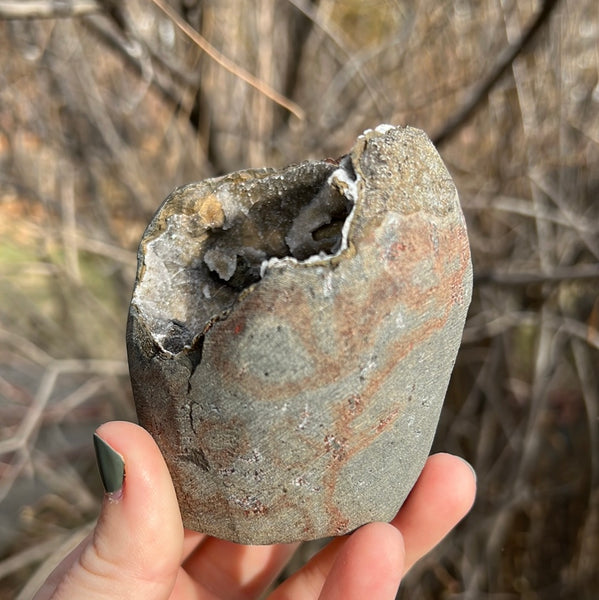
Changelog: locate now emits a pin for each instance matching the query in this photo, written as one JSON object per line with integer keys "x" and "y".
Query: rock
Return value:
{"x": 292, "y": 333}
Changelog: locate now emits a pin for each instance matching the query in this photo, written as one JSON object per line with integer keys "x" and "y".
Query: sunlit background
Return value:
{"x": 105, "y": 109}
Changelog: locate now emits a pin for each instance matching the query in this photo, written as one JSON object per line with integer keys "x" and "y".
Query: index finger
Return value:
{"x": 441, "y": 498}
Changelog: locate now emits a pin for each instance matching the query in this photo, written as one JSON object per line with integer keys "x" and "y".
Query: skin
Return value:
{"x": 139, "y": 549}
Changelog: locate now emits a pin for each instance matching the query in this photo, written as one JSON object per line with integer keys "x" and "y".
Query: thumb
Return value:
{"x": 136, "y": 547}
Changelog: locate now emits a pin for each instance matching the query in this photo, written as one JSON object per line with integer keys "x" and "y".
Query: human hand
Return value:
{"x": 139, "y": 549}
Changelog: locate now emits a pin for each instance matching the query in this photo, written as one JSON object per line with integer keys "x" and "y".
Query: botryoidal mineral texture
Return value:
{"x": 292, "y": 333}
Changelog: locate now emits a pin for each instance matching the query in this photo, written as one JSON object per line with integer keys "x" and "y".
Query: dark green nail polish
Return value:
{"x": 110, "y": 464}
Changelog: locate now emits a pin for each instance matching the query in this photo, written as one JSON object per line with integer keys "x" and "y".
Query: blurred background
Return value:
{"x": 106, "y": 106}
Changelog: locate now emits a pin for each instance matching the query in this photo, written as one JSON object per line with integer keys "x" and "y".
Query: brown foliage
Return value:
{"x": 101, "y": 115}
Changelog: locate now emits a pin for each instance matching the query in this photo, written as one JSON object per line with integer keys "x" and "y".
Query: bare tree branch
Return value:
{"x": 479, "y": 92}
{"x": 228, "y": 64}
{"x": 590, "y": 271}
{"x": 132, "y": 53}
{"x": 47, "y": 9}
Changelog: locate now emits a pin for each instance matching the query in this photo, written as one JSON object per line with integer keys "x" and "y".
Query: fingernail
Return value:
{"x": 471, "y": 468}
{"x": 110, "y": 464}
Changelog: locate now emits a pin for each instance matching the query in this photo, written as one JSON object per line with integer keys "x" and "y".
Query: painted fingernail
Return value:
{"x": 110, "y": 464}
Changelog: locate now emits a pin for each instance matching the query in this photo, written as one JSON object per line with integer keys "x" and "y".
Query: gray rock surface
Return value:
{"x": 292, "y": 333}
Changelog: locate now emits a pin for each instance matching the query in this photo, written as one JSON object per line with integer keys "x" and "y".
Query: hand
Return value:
{"x": 139, "y": 549}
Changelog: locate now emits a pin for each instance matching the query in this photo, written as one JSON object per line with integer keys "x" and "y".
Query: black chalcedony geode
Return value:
{"x": 292, "y": 333}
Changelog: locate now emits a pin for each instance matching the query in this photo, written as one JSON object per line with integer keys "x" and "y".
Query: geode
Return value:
{"x": 292, "y": 333}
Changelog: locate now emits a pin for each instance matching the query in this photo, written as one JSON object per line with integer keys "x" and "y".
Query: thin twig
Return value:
{"x": 581, "y": 225}
{"x": 351, "y": 59}
{"x": 47, "y": 9}
{"x": 522, "y": 207}
{"x": 556, "y": 275}
{"x": 480, "y": 91}
{"x": 25, "y": 347}
{"x": 132, "y": 52}
{"x": 45, "y": 389}
{"x": 60, "y": 409}
{"x": 120, "y": 255}
{"x": 228, "y": 64}
{"x": 53, "y": 558}
{"x": 66, "y": 184}
{"x": 30, "y": 555}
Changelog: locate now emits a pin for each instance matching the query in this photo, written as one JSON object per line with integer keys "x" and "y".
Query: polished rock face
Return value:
{"x": 292, "y": 333}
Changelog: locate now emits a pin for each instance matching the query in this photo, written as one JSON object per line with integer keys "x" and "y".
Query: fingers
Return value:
{"x": 138, "y": 544}
{"x": 366, "y": 564}
{"x": 191, "y": 541}
{"x": 442, "y": 496}
{"x": 307, "y": 583}
{"x": 369, "y": 565}
{"x": 136, "y": 547}
{"x": 231, "y": 570}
